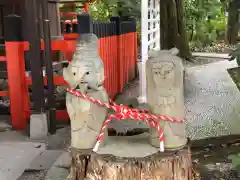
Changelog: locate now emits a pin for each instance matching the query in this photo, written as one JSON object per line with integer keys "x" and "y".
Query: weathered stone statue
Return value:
{"x": 165, "y": 96}
{"x": 85, "y": 73}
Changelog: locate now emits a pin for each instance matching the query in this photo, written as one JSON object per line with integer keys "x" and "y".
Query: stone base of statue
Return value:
{"x": 131, "y": 158}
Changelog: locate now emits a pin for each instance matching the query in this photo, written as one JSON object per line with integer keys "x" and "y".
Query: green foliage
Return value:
{"x": 104, "y": 9}
{"x": 235, "y": 161}
{"x": 206, "y": 21}
{"x": 101, "y": 11}
{"x": 131, "y": 8}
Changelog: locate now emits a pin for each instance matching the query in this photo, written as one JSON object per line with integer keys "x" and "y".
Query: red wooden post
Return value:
{"x": 118, "y": 45}
{"x": 86, "y": 7}
{"x": 16, "y": 70}
{"x": 135, "y": 54}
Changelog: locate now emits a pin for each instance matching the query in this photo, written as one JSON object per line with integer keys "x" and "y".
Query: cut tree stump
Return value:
{"x": 131, "y": 158}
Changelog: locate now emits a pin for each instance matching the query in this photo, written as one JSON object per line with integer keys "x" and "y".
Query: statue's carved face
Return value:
{"x": 163, "y": 73}
{"x": 82, "y": 75}
{"x": 86, "y": 70}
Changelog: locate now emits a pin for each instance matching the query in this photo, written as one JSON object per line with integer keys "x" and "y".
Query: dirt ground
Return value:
{"x": 210, "y": 158}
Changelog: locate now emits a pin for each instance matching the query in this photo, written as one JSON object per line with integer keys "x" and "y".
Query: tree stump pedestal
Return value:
{"x": 131, "y": 158}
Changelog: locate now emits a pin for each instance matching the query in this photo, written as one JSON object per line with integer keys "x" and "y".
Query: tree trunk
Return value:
{"x": 164, "y": 25}
{"x": 233, "y": 24}
{"x": 182, "y": 38}
{"x": 173, "y": 28}
{"x": 137, "y": 161}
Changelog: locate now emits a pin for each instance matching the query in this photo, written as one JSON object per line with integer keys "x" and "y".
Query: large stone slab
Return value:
{"x": 64, "y": 161}
{"x": 57, "y": 173}
{"x": 12, "y": 136}
{"x": 60, "y": 169}
{"x": 212, "y": 101}
{"x": 44, "y": 160}
{"x": 15, "y": 157}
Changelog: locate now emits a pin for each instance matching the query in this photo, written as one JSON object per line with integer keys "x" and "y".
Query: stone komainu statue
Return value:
{"x": 85, "y": 73}
{"x": 165, "y": 96}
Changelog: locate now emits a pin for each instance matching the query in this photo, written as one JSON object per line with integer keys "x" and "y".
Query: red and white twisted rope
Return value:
{"x": 123, "y": 112}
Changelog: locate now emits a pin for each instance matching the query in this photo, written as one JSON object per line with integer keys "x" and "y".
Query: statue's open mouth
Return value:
{"x": 77, "y": 87}
{"x": 81, "y": 86}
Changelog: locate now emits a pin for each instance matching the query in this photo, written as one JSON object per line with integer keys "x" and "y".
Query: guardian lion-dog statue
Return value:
{"x": 85, "y": 73}
{"x": 165, "y": 96}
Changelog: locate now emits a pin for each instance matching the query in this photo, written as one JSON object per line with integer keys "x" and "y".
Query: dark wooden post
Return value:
{"x": 48, "y": 63}
{"x": 33, "y": 36}
{"x": 85, "y": 23}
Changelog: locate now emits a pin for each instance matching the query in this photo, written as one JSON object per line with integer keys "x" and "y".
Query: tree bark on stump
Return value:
{"x": 176, "y": 165}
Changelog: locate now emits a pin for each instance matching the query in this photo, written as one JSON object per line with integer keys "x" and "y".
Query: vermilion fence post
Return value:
{"x": 16, "y": 70}
{"x": 51, "y": 105}
{"x": 86, "y": 7}
{"x": 115, "y": 47}
{"x": 135, "y": 50}
{"x": 135, "y": 53}
{"x": 117, "y": 22}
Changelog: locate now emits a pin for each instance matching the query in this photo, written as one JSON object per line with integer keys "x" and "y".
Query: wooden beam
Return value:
{"x": 32, "y": 12}
{"x": 2, "y": 2}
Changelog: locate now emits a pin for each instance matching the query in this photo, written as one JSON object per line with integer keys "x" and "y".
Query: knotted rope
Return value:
{"x": 122, "y": 112}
